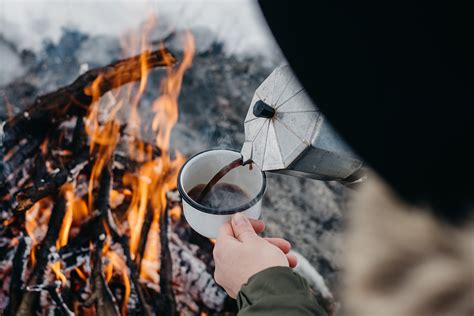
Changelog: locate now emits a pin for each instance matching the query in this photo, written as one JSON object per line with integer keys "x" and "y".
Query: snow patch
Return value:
{"x": 237, "y": 23}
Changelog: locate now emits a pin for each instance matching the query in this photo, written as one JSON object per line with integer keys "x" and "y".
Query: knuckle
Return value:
{"x": 247, "y": 233}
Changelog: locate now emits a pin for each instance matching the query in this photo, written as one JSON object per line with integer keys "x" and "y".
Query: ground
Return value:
{"x": 215, "y": 97}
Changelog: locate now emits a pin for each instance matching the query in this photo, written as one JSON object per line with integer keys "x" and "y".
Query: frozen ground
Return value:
{"x": 236, "y": 23}
{"x": 28, "y": 24}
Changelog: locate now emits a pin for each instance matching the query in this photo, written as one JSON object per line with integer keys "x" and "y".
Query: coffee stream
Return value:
{"x": 219, "y": 195}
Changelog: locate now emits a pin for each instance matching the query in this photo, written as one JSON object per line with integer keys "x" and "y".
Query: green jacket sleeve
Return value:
{"x": 277, "y": 291}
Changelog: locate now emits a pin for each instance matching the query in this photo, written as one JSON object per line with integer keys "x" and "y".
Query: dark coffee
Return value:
{"x": 221, "y": 196}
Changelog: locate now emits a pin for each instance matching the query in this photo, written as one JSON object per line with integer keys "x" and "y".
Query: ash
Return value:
{"x": 213, "y": 103}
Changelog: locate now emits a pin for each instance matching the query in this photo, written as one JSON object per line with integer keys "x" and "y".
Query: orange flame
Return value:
{"x": 158, "y": 176}
{"x": 166, "y": 107}
{"x": 119, "y": 264}
{"x": 56, "y": 267}
{"x": 73, "y": 206}
{"x": 68, "y": 190}
{"x": 146, "y": 187}
{"x": 80, "y": 274}
{"x": 36, "y": 223}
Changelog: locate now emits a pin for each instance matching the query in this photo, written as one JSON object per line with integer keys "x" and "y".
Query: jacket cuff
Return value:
{"x": 277, "y": 286}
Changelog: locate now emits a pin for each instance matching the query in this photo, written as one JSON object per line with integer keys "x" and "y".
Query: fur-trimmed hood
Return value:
{"x": 403, "y": 261}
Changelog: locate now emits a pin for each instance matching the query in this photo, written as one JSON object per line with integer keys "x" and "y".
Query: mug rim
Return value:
{"x": 216, "y": 211}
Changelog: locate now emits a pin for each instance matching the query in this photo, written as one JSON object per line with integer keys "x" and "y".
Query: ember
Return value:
{"x": 91, "y": 221}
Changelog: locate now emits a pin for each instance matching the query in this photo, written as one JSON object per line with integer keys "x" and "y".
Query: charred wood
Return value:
{"x": 144, "y": 237}
{"x": 133, "y": 273}
{"x": 79, "y": 137}
{"x": 24, "y": 150}
{"x": 18, "y": 268}
{"x": 51, "y": 184}
{"x": 105, "y": 304}
{"x": 29, "y": 299}
{"x": 166, "y": 266}
{"x": 61, "y": 308}
{"x": 49, "y": 110}
{"x": 89, "y": 231}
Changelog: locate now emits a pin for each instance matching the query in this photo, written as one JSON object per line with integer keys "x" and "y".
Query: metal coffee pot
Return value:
{"x": 286, "y": 133}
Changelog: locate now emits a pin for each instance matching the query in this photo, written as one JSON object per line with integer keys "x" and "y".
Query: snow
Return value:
{"x": 237, "y": 23}
{"x": 10, "y": 63}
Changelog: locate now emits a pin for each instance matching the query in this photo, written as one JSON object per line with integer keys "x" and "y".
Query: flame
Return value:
{"x": 145, "y": 188}
{"x": 56, "y": 268}
{"x": 76, "y": 212}
{"x": 138, "y": 206}
{"x": 166, "y": 107}
{"x": 151, "y": 260}
{"x": 156, "y": 177}
{"x": 175, "y": 213}
{"x": 103, "y": 136}
{"x": 119, "y": 264}
{"x": 68, "y": 190}
{"x": 80, "y": 274}
{"x": 71, "y": 201}
{"x": 36, "y": 223}
{"x": 44, "y": 147}
{"x": 116, "y": 198}
{"x": 136, "y": 148}
{"x": 80, "y": 211}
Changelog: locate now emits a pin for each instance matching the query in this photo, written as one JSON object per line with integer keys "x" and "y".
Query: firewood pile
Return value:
{"x": 90, "y": 220}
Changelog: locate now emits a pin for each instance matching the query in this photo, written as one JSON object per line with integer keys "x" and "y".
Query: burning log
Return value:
{"x": 49, "y": 110}
{"x": 89, "y": 231}
{"x": 24, "y": 150}
{"x": 166, "y": 269}
{"x": 105, "y": 304}
{"x": 144, "y": 237}
{"x": 30, "y": 298}
{"x": 18, "y": 268}
{"x": 102, "y": 296}
{"x": 93, "y": 201}
{"x": 133, "y": 273}
{"x": 51, "y": 183}
{"x": 52, "y": 289}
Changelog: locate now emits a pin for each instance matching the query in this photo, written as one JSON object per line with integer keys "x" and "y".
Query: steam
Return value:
{"x": 225, "y": 196}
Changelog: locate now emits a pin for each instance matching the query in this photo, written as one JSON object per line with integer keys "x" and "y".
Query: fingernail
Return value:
{"x": 239, "y": 219}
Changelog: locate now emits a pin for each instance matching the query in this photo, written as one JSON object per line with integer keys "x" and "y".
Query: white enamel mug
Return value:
{"x": 200, "y": 169}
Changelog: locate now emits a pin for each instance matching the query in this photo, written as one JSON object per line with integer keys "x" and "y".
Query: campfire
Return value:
{"x": 90, "y": 220}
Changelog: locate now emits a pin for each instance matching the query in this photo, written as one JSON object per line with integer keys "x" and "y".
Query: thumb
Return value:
{"x": 242, "y": 227}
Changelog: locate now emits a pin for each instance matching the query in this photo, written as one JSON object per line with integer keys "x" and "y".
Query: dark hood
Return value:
{"x": 396, "y": 80}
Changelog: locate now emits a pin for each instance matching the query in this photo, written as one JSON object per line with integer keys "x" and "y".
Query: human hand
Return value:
{"x": 239, "y": 253}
